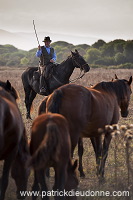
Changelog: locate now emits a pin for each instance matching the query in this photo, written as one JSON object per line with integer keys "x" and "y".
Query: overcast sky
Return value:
{"x": 105, "y": 19}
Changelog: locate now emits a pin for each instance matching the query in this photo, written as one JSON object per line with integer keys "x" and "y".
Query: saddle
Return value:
{"x": 41, "y": 80}
{"x": 49, "y": 70}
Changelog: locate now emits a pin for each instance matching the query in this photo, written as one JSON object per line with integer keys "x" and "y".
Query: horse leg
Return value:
{"x": 60, "y": 179}
{"x": 31, "y": 98}
{"x": 97, "y": 146}
{"x": 35, "y": 186}
{"x": 27, "y": 98}
{"x": 106, "y": 142}
{"x": 80, "y": 154}
{"x": 48, "y": 173}
{"x": 42, "y": 182}
{"x": 94, "y": 145}
{"x": 5, "y": 175}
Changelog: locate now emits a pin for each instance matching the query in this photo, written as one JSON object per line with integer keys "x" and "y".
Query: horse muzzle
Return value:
{"x": 125, "y": 113}
{"x": 86, "y": 68}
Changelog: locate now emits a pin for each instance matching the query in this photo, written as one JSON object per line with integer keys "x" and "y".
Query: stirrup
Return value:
{"x": 42, "y": 90}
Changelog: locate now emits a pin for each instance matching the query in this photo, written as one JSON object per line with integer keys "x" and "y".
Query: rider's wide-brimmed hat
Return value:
{"x": 47, "y": 39}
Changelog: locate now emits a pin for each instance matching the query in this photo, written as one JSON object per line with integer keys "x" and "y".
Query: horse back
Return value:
{"x": 72, "y": 101}
{"x": 40, "y": 135}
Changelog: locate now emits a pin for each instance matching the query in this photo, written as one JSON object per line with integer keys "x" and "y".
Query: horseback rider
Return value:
{"x": 47, "y": 57}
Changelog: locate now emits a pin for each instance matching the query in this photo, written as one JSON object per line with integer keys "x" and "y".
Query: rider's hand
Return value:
{"x": 39, "y": 47}
{"x": 51, "y": 60}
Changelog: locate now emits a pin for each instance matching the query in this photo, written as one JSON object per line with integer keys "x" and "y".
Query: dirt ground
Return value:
{"x": 90, "y": 182}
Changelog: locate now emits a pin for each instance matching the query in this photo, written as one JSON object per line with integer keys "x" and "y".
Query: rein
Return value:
{"x": 79, "y": 77}
{"x": 58, "y": 80}
{"x": 71, "y": 81}
{"x": 81, "y": 68}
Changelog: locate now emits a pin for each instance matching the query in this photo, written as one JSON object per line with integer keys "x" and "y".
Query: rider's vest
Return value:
{"x": 45, "y": 57}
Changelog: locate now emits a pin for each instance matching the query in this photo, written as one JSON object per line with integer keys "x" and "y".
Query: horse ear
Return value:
{"x": 8, "y": 85}
{"x": 112, "y": 80}
{"x": 72, "y": 53}
{"x": 76, "y": 51}
{"x": 130, "y": 80}
{"x": 75, "y": 165}
{"x": 116, "y": 76}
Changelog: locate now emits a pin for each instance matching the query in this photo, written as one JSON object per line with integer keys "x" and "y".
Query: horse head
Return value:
{"x": 79, "y": 61}
{"x": 9, "y": 88}
{"x": 124, "y": 94}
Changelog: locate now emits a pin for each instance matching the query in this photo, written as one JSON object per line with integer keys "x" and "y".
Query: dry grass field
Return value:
{"x": 116, "y": 171}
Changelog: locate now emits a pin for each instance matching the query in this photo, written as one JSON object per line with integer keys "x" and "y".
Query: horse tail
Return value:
{"x": 48, "y": 149}
{"x": 42, "y": 106}
{"x": 55, "y": 101}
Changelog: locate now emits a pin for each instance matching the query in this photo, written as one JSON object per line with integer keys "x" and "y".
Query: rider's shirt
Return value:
{"x": 46, "y": 54}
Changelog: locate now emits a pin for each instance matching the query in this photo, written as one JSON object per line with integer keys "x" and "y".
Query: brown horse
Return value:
{"x": 87, "y": 110}
{"x": 51, "y": 147}
{"x": 13, "y": 142}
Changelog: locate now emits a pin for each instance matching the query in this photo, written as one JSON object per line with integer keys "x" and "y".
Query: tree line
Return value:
{"x": 117, "y": 53}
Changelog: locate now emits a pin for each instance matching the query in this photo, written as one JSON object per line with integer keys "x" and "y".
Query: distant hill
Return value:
{"x": 116, "y": 54}
{"x": 19, "y": 40}
{"x": 27, "y": 41}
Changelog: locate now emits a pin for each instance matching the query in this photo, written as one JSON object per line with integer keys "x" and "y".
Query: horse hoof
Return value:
{"x": 82, "y": 174}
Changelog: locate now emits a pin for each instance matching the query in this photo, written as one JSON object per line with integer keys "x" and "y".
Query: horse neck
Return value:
{"x": 64, "y": 70}
{"x": 116, "y": 88}
{"x": 120, "y": 90}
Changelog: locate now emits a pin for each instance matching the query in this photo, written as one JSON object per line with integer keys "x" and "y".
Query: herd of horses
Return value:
{"x": 66, "y": 116}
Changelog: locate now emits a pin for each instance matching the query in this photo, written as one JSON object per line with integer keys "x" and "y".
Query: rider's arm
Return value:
{"x": 39, "y": 52}
{"x": 54, "y": 57}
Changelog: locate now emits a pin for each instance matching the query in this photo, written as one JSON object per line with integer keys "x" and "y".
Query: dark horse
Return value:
{"x": 87, "y": 110}
{"x": 13, "y": 141}
{"x": 60, "y": 76}
{"x": 50, "y": 146}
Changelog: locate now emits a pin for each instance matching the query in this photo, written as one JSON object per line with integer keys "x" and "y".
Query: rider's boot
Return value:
{"x": 42, "y": 85}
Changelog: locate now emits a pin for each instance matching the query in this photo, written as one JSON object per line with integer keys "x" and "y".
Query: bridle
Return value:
{"x": 78, "y": 64}
{"x": 81, "y": 69}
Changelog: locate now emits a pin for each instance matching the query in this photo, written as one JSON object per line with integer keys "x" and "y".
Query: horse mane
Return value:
{"x": 118, "y": 87}
{"x": 65, "y": 60}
